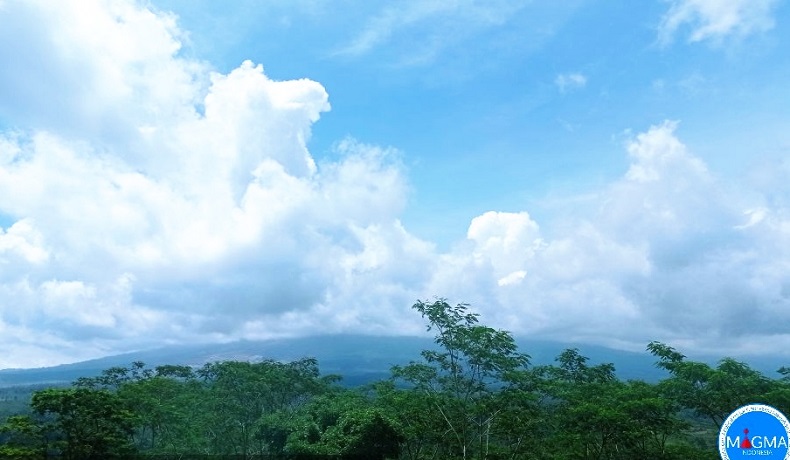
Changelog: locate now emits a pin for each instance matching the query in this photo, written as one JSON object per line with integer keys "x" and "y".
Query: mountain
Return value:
{"x": 358, "y": 358}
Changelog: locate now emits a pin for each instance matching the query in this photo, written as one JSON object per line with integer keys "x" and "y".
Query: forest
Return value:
{"x": 475, "y": 396}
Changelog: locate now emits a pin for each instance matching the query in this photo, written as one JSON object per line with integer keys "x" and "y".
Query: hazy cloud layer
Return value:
{"x": 715, "y": 20}
{"x": 429, "y": 25}
{"x": 146, "y": 199}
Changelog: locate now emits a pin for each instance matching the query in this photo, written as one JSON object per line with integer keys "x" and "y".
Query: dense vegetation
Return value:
{"x": 473, "y": 397}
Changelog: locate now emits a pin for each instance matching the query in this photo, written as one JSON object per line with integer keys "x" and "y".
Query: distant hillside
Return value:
{"x": 359, "y": 359}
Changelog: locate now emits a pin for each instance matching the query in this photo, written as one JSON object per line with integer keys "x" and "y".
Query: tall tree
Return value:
{"x": 462, "y": 377}
{"x": 712, "y": 392}
{"x": 240, "y": 394}
{"x": 91, "y": 424}
{"x": 170, "y": 412}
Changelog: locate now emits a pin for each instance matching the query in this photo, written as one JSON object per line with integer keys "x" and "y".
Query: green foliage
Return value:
{"x": 168, "y": 413}
{"x": 411, "y": 412}
{"x": 86, "y": 423}
{"x": 15, "y": 400}
{"x": 22, "y": 437}
{"x": 241, "y": 394}
{"x": 345, "y": 423}
{"x": 712, "y": 392}
{"x": 472, "y": 397}
{"x": 462, "y": 380}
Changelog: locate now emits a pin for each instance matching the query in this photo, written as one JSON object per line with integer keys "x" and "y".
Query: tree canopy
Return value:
{"x": 474, "y": 396}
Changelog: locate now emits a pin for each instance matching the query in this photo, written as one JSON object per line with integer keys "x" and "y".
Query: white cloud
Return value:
{"x": 22, "y": 240}
{"x": 151, "y": 200}
{"x": 715, "y": 20}
{"x": 103, "y": 68}
{"x": 423, "y": 17}
{"x": 570, "y": 81}
{"x": 505, "y": 240}
{"x": 665, "y": 253}
{"x": 512, "y": 278}
{"x": 163, "y": 201}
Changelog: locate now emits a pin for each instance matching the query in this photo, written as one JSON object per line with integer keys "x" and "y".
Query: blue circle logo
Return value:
{"x": 757, "y": 431}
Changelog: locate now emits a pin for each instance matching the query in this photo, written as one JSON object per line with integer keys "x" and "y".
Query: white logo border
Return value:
{"x": 744, "y": 410}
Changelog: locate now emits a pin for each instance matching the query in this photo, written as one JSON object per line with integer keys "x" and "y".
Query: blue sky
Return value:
{"x": 593, "y": 172}
{"x": 472, "y": 94}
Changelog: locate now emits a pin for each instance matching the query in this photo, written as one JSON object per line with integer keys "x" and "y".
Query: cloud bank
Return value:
{"x": 146, "y": 199}
{"x": 666, "y": 252}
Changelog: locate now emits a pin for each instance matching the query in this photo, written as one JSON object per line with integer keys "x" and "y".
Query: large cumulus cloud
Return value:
{"x": 667, "y": 252}
{"x": 146, "y": 199}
